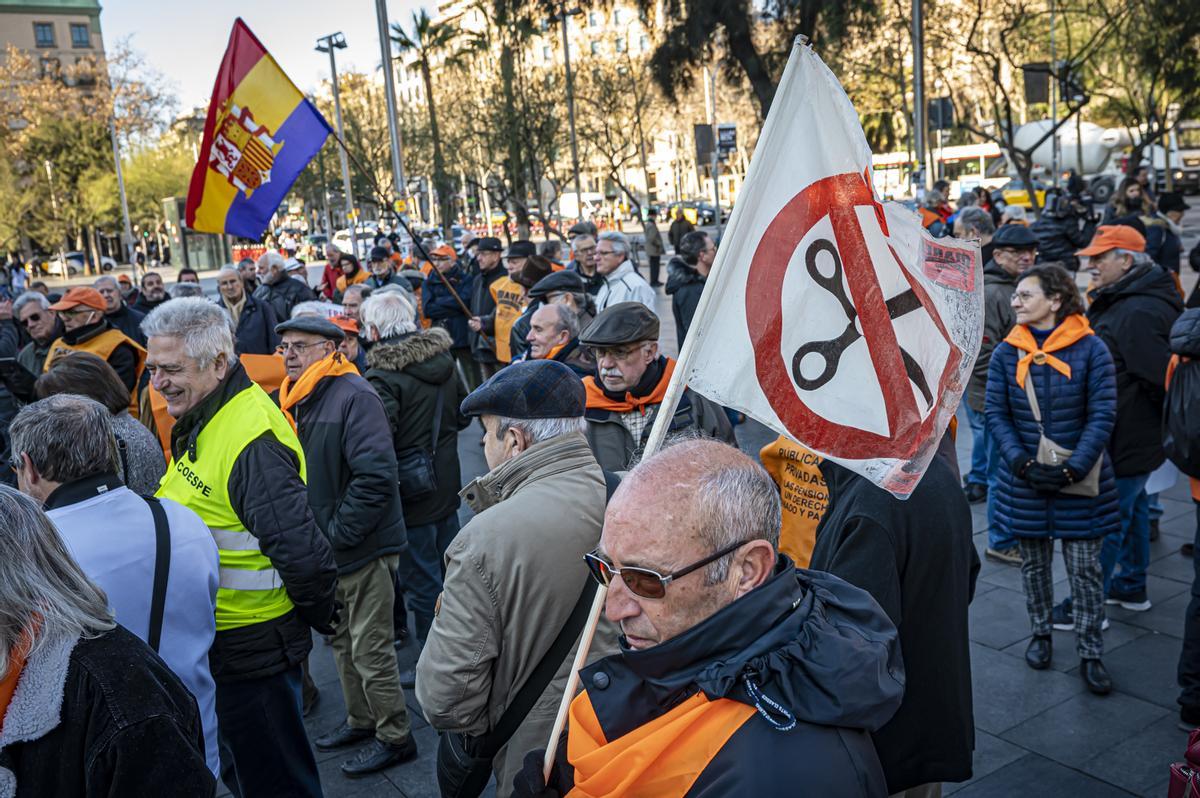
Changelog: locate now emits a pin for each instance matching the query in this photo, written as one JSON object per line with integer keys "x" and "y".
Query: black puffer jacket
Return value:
{"x": 255, "y": 328}
{"x": 271, "y": 501}
{"x": 1133, "y": 316}
{"x": 806, "y": 644}
{"x": 284, "y": 295}
{"x": 408, "y": 372}
{"x": 684, "y": 285}
{"x": 128, "y": 321}
{"x": 351, "y": 471}
{"x": 917, "y": 560}
{"x": 1060, "y": 237}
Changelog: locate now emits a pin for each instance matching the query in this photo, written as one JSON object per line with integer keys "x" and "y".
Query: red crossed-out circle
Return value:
{"x": 836, "y": 196}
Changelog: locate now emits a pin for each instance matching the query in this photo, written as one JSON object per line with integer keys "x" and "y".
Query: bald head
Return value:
{"x": 686, "y": 503}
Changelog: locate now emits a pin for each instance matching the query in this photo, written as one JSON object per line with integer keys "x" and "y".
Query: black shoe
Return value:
{"x": 1095, "y": 676}
{"x": 380, "y": 755}
{"x": 1153, "y": 529}
{"x": 1189, "y": 717}
{"x": 408, "y": 678}
{"x": 402, "y": 637}
{"x": 342, "y": 737}
{"x": 976, "y": 493}
{"x": 1186, "y": 549}
{"x": 1038, "y": 654}
{"x": 1062, "y": 617}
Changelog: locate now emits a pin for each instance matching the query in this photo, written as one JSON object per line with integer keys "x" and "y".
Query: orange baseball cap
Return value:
{"x": 80, "y": 296}
{"x": 347, "y": 324}
{"x": 444, "y": 250}
{"x": 124, "y": 278}
{"x": 1114, "y": 236}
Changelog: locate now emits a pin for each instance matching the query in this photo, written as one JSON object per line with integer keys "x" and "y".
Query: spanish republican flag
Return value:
{"x": 260, "y": 133}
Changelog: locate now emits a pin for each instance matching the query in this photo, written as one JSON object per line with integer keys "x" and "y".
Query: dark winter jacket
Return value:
{"x": 255, "y": 327}
{"x": 998, "y": 320}
{"x": 684, "y": 285}
{"x": 102, "y": 716}
{"x": 1163, "y": 242}
{"x": 144, "y": 305}
{"x": 805, "y": 645}
{"x": 408, "y": 372}
{"x": 518, "y": 336}
{"x": 284, "y": 295}
{"x": 128, "y": 321}
{"x": 482, "y": 304}
{"x": 1133, "y": 316}
{"x": 678, "y": 229}
{"x": 916, "y": 559}
{"x": 592, "y": 283}
{"x": 442, "y": 309}
{"x": 352, "y": 486}
{"x": 1059, "y": 238}
{"x": 1077, "y": 414}
{"x": 271, "y": 501}
{"x": 577, "y": 358}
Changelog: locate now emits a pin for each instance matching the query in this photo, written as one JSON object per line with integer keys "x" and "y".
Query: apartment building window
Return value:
{"x": 644, "y": 43}
{"x": 620, "y": 44}
{"x": 547, "y": 53}
{"x": 617, "y": 16}
{"x": 81, "y": 37}
{"x": 593, "y": 19}
{"x": 43, "y": 34}
{"x": 595, "y": 48}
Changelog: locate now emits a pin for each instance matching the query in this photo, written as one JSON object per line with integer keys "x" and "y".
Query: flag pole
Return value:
{"x": 416, "y": 241}
{"x": 658, "y": 432}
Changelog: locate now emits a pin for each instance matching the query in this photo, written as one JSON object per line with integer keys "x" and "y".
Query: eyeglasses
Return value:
{"x": 616, "y": 353}
{"x": 642, "y": 581}
{"x": 32, "y": 318}
{"x": 1024, "y": 296}
{"x": 603, "y": 252}
{"x": 297, "y": 347}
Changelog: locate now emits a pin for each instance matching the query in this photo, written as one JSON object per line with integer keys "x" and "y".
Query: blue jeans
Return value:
{"x": 978, "y": 473}
{"x": 1128, "y": 547}
{"x": 422, "y": 568}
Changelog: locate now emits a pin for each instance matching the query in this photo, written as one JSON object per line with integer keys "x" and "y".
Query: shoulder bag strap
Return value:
{"x": 1033, "y": 402}
{"x": 542, "y": 675}
{"x": 162, "y": 568}
{"x": 437, "y": 418}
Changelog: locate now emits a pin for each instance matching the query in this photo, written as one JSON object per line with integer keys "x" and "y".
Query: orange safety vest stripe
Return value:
{"x": 509, "y": 297}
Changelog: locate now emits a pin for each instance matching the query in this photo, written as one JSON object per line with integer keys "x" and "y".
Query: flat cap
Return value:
{"x": 564, "y": 280}
{"x": 622, "y": 323}
{"x": 529, "y": 389}
{"x": 316, "y": 325}
{"x": 1014, "y": 235}
{"x": 489, "y": 244}
{"x": 521, "y": 249}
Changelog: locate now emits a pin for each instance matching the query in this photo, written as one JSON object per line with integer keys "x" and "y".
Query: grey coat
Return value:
{"x": 654, "y": 241}
{"x": 142, "y": 460}
{"x": 998, "y": 321}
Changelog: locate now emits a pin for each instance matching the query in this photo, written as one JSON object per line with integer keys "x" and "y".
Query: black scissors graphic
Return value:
{"x": 831, "y": 351}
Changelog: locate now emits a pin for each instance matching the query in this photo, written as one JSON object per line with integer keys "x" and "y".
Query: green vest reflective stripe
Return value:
{"x": 250, "y": 590}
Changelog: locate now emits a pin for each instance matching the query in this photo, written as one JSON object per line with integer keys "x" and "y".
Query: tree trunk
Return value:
{"x": 441, "y": 184}
{"x": 513, "y": 164}
{"x": 741, "y": 47}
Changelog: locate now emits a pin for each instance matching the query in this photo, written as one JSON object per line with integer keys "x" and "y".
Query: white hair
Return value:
{"x": 1139, "y": 258}
{"x": 186, "y": 291}
{"x": 30, "y": 298}
{"x": 537, "y": 430}
{"x": 106, "y": 278}
{"x": 202, "y": 326}
{"x": 228, "y": 268}
{"x": 272, "y": 260}
{"x": 1014, "y": 213}
{"x": 619, "y": 241}
{"x": 310, "y": 308}
{"x": 390, "y": 312}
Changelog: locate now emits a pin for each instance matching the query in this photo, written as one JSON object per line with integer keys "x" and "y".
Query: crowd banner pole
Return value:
{"x": 415, "y": 239}
{"x": 564, "y": 706}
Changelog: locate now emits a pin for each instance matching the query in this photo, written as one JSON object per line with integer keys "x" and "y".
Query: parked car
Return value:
{"x": 363, "y": 240}
{"x": 75, "y": 263}
{"x": 697, "y": 212}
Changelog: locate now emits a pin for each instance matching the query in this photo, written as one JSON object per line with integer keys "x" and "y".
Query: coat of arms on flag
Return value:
{"x": 243, "y": 150}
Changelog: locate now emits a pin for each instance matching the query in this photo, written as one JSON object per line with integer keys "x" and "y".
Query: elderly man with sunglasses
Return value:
{"x": 513, "y": 576}
{"x": 630, "y": 383}
{"x": 738, "y": 674}
{"x": 31, "y": 310}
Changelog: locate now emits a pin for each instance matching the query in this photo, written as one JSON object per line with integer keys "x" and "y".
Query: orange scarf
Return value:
{"x": 1074, "y": 328}
{"x": 290, "y": 393}
{"x": 16, "y": 664}
{"x": 596, "y": 398}
{"x": 360, "y": 276}
{"x": 660, "y": 759}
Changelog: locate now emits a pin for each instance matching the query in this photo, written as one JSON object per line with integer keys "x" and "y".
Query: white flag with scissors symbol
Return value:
{"x": 830, "y": 316}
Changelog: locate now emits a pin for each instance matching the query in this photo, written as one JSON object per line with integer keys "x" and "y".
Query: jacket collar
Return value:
{"x": 82, "y": 490}
{"x": 36, "y": 706}
{"x": 187, "y": 428}
{"x": 619, "y": 273}
{"x": 554, "y": 456}
{"x": 87, "y": 333}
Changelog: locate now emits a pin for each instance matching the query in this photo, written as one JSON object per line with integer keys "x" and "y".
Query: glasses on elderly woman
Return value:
{"x": 643, "y": 581}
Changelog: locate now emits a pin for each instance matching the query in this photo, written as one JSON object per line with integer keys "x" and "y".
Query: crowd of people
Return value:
{"x": 203, "y": 487}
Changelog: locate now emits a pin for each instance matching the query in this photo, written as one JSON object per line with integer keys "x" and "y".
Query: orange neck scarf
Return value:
{"x": 290, "y": 394}
{"x": 16, "y": 664}
{"x": 1073, "y": 328}
{"x": 597, "y": 400}
{"x": 660, "y": 759}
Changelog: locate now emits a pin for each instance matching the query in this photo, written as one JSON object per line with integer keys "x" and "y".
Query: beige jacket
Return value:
{"x": 513, "y": 574}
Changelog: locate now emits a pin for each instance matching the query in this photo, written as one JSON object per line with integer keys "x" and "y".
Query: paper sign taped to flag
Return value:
{"x": 830, "y": 316}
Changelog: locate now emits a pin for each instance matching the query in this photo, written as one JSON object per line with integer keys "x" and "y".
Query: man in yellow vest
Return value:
{"x": 508, "y": 297}
{"x": 237, "y": 463}
{"x": 86, "y": 330}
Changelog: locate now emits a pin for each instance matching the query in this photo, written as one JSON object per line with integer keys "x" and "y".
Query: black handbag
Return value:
{"x": 416, "y": 472}
{"x": 464, "y": 763}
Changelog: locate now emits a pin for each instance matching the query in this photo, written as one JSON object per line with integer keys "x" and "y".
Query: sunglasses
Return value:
{"x": 32, "y": 318}
{"x": 642, "y": 581}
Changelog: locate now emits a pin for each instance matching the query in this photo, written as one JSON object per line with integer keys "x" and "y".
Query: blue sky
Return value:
{"x": 185, "y": 40}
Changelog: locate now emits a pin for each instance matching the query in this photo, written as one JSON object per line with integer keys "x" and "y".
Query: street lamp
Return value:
{"x": 561, "y": 17}
{"x": 389, "y": 87}
{"x": 327, "y": 44}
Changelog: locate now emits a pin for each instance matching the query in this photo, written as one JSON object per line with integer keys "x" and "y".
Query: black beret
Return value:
{"x": 489, "y": 244}
{"x": 317, "y": 325}
{"x": 1014, "y": 235}
{"x": 529, "y": 389}
{"x": 564, "y": 280}
{"x": 379, "y": 253}
{"x": 521, "y": 249}
{"x": 622, "y": 323}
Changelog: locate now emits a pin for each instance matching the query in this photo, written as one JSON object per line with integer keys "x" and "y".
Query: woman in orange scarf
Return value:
{"x": 1052, "y": 380}
{"x": 352, "y": 274}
